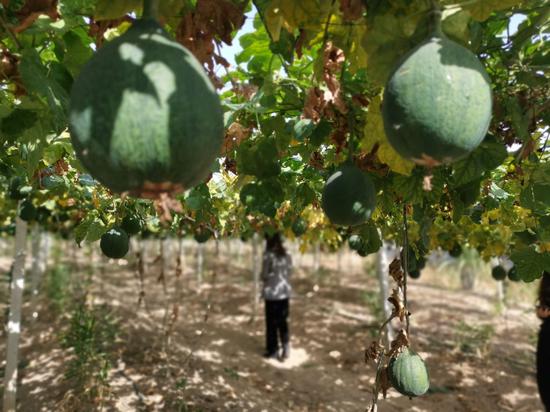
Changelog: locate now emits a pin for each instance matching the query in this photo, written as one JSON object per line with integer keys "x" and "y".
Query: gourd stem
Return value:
{"x": 436, "y": 15}
{"x": 150, "y": 9}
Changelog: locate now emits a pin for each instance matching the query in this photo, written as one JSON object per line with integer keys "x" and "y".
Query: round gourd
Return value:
{"x": 299, "y": 227}
{"x": 413, "y": 263}
{"x": 498, "y": 273}
{"x": 27, "y": 211}
{"x": 356, "y": 242}
{"x": 437, "y": 103}
{"x": 363, "y": 252}
{"x": 14, "y": 190}
{"x": 513, "y": 275}
{"x": 414, "y": 274}
{"x": 348, "y": 196}
{"x": 408, "y": 374}
{"x": 144, "y": 117}
{"x": 115, "y": 243}
{"x": 131, "y": 224}
{"x": 456, "y": 251}
{"x": 202, "y": 235}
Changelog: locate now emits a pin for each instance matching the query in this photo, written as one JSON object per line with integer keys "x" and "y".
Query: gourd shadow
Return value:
{"x": 454, "y": 54}
{"x": 135, "y": 78}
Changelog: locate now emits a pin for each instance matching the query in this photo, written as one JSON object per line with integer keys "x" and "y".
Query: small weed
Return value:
{"x": 371, "y": 299}
{"x": 232, "y": 373}
{"x": 474, "y": 339}
{"x": 91, "y": 335}
{"x": 57, "y": 287}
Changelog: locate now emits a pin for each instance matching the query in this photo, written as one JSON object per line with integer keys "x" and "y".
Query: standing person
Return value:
{"x": 276, "y": 270}
{"x": 543, "y": 347}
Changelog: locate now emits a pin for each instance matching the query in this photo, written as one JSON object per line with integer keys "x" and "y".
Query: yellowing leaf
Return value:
{"x": 292, "y": 15}
{"x": 455, "y": 23}
{"x": 482, "y": 9}
{"x": 274, "y": 21}
{"x": 114, "y": 9}
{"x": 350, "y": 38}
{"x": 374, "y": 134}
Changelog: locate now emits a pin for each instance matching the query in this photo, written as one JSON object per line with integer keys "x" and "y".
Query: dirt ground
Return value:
{"x": 213, "y": 361}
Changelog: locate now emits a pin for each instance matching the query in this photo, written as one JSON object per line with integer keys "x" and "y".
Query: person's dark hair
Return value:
{"x": 274, "y": 244}
{"x": 544, "y": 291}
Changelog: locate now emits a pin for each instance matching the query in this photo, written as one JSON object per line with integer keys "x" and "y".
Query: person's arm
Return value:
{"x": 543, "y": 312}
{"x": 289, "y": 263}
{"x": 265, "y": 268}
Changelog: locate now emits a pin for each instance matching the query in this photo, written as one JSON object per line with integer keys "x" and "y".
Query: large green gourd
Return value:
{"x": 349, "y": 196}
{"x": 144, "y": 117}
{"x": 408, "y": 374}
{"x": 437, "y": 102}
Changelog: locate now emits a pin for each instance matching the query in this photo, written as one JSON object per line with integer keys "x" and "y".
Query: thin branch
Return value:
{"x": 406, "y": 267}
{"x": 10, "y": 32}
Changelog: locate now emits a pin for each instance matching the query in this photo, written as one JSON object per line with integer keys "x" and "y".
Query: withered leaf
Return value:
{"x": 234, "y": 135}
{"x": 400, "y": 341}
{"x": 384, "y": 382}
{"x": 373, "y": 352}
{"x": 396, "y": 272}
{"x": 352, "y": 9}
{"x": 396, "y": 299}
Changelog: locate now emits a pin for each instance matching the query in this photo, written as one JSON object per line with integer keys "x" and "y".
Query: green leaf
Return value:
{"x": 36, "y": 80}
{"x": 536, "y": 197}
{"x": 374, "y": 134}
{"x": 411, "y": 188}
{"x": 198, "y": 198}
{"x": 90, "y": 229}
{"x": 530, "y": 264}
{"x": 53, "y": 153}
{"x": 259, "y": 158}
{"x": 520, "y": 120}
{"x": 264, "y": 197}
{"x": 489, "y": 155}
{"x": 73, "y": 8}
{"x": 541, "y": 174}
{"x": 321, "y": 132}
{"x": 17, "y": 122}
{"x": 371, "y": 238}
{"x": 303, "y": 129}
{"x": 77, "y": 52}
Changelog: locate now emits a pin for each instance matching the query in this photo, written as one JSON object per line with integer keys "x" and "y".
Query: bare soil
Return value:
{"x": 212, "y": 358}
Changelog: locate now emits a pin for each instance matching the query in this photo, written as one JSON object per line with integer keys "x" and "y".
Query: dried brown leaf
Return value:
{"x": 396, "y": 272}
{"x": 315, "y": 105}
{"x": 165, "y": 205}
{"x": 373, "y": 352}
{"x": 234, "y": 135}
{"x": 352, "y": 9}
{"x": 427, "y": 182}
{"x": 211, "y": 21}
{"x": 401, "y": 341}
{"x": 384, "y": 382}
{"x": 333, "y": 60}
{"x": 396, "y": 299}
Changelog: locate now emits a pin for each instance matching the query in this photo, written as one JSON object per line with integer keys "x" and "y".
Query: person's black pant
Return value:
{"x": 543, "y": 363}
{"x": 276, "y": 314}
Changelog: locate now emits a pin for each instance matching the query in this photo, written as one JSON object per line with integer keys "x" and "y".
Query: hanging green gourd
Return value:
{"x": 144, "y": 117}
{"x": 438, "y": 102}
{"x": 349, "y": 196}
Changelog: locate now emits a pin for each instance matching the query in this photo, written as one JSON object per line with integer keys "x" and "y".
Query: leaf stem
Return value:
{"x": 10, "y": 32}
{"x": 150, "y": 9}
{"x": 405, "y": 265}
